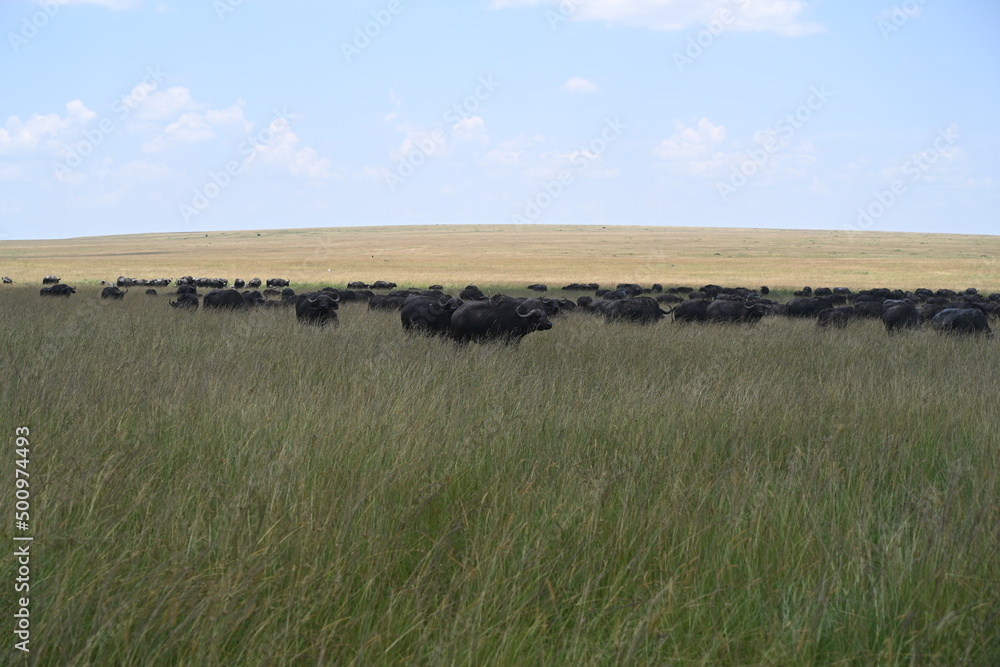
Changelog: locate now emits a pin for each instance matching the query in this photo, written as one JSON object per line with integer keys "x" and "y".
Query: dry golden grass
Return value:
{"x": 510, "y": 255}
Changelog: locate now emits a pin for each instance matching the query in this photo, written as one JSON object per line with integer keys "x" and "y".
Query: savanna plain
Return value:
{"x": 236, "y": 488}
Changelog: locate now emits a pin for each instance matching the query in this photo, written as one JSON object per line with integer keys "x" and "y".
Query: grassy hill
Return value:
{"x": 511, "y": 255}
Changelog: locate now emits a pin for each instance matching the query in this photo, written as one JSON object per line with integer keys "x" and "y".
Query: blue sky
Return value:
{"x": 129, "y": 116}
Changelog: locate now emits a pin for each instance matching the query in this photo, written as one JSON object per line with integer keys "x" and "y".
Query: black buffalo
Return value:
{"x": 254, "y": 283}
{"x": 870, "y": 309}
{"x": 735, "y": 311}
{"x": 429, "y": 315}
{"x": 834, "y": 317}
{"x": 806, "y": 306}
{"x": 642, "y": 310}
{"x": 961, "y": 320}
{"x": 382, "y": 284}
{"x": 151, "y": 292}
{"x": 214, "y": 283}
{"x": 387, "y": 301}
{"x": 277, "y": 282}
{"x": 900, "y": 316}
{"x": 318, "y": 308}
{"x": 632, "y": 289}
{"x": 239, "y": 283}
{"x": 225, "y": 299}
{"x": 50, "y": 280}
{"x": 550, "y": 307}
{"x": 185, "y": 300}
{"x": 538, "y": 287}
{"x": 112, "y": 292}
{"x": 58, "y": 289}
{"x": 691, "y": 311}
{"x": 669, "y": 298}
{"x": 253, "y": 297}
{"x": 506, "y": 322}
{"x": 7, "y": 280}
{"x": 472, "y": 293}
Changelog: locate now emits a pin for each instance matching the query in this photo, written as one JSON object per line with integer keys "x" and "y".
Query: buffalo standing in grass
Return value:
{"x": 472, "y": 293}
{"x": 961, "y": 320}
{"x": 317, "y": 308}
{"x": 641, "y": 310}
{"x": 735, "y": 311}
{"x": 834, "y": 317}
{"x": 807, "y": 306}
{"x": 7, "y": 280}
{"x": 277, "y": 282}
{"x": 900, "y": 316}
{"x": 186, "y": 301}
{"x": 50, "y": 280}
{"x": 113, "y": 292}
{"x": 505, "y": 322}
{"x": 387, "y": 302}
{"x": 429, "y": 315}
{"x": 228, "y": 299}
{"x": 58, "y": 289}
{"x": 691, "y": 311}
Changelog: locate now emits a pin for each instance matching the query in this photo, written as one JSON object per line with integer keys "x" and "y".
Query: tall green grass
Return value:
{"x": 227, "y": 488}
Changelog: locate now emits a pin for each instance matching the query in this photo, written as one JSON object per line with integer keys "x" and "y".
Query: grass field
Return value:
{"x": 519, "y": 255}
{"x": 233, "y": 488}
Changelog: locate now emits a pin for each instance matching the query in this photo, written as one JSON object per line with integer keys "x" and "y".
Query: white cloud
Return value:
{"x": 578, "y": 84}
{"x": 165, "y": 104}
{"x": 703, "y": 151}
{"x": 194, "y": 127}
{"x": 784, "y": 17}
{"x": 469, "y": 129}
{"x": 428, "y": 142}
{"x": 502, "y": 158}
{"x": 283, "y": 151}
{"x": 43, "y": 131}
{"x": 694, "y": 149}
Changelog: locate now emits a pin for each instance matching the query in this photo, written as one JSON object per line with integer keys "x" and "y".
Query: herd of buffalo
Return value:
{"x": 474, "y": 316}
